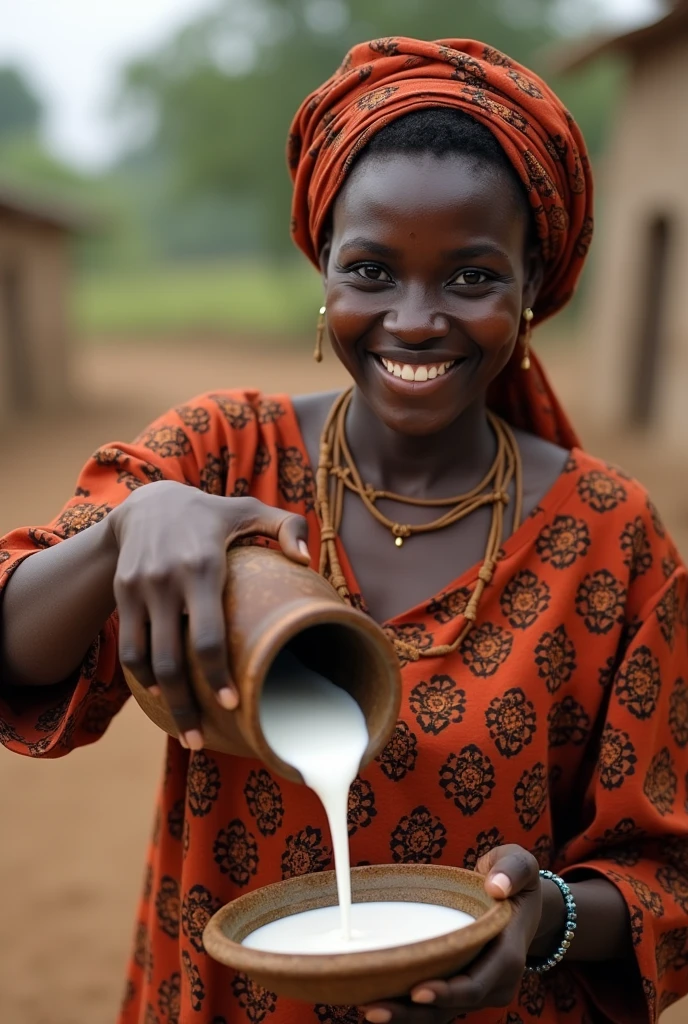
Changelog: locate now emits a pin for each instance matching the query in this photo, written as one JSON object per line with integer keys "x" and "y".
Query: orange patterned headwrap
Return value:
{"x": 384, "y": 79}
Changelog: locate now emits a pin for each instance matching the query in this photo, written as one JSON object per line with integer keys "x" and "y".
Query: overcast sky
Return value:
{"x": 72, "y": 50}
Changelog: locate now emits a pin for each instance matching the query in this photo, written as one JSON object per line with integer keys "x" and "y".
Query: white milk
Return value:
{"x": 374, "y": 926}
{"x": 319, "y": 729}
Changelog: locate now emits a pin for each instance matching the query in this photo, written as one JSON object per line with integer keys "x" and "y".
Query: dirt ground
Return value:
{"x": 73, "y": 831}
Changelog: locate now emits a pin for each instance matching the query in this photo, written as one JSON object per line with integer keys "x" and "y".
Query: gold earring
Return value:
{"x": 320, "y": 331}
{"x": 528, "y": 317}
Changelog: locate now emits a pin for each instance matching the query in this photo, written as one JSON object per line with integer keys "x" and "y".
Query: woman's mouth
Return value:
{"x": 423, "y": 372}
{"x": 421, "y": 377}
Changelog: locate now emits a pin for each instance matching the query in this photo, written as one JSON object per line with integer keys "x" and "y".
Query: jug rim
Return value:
{"x": 263, "y": 654}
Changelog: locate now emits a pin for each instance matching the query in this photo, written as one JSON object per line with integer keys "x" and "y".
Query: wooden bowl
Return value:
{"x": 364, "y": 977}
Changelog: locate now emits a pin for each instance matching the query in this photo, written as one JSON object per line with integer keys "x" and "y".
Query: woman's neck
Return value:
{"x": 440, "y": 465}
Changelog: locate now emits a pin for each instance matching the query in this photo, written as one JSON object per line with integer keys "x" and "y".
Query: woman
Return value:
{"x": 536, "y": 602}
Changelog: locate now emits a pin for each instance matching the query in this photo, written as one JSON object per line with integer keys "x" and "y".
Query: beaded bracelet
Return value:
{"x": 571, "y": 917}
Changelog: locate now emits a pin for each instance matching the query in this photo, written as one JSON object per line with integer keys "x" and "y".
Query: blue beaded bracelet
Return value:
{"x": 569, "y": 931}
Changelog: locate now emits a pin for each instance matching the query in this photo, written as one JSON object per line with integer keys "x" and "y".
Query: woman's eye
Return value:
{"x": 372, "y": 272}
{"x": 471, "y": 278}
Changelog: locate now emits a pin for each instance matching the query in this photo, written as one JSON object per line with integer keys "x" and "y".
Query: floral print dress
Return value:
{"x": 561, "y": 725}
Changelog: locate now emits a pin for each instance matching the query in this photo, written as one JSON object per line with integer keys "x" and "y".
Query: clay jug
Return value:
{"x": 272, "y": 603}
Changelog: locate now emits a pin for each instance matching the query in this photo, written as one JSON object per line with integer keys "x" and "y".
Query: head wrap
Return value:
{"x": 385, "y": 79}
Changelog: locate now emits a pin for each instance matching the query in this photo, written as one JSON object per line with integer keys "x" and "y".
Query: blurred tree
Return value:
{"x": 20, "y": 108}
{"x": 221, "y": 94}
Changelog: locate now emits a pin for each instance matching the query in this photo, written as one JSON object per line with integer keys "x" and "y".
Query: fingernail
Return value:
{"x": 424, "y": 995}
{"x": 303, "y": 548}
{"x": 227, "y": 698}
{"x": 378, "y": 1016}
{"x": 194, "y": 739}
{"x": 155, "y": 691}
{"x": 501, "y": 882}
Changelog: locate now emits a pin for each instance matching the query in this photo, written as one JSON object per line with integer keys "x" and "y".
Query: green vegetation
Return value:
{"x": 20, "y": 108}
{"x": 278, "y": 300}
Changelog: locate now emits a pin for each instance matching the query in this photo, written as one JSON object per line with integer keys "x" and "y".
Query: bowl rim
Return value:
{"x": 369, "y": 962}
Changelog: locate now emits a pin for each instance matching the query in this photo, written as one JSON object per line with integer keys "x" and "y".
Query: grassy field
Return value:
{"x": 279, "y": 300}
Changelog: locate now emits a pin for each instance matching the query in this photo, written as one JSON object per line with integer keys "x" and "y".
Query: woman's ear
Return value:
{"x": 324, "y": 257}
{"x": 534, "y": 276}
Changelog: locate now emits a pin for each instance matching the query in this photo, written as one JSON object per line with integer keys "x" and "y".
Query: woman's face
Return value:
{"x": 427, "y": 272}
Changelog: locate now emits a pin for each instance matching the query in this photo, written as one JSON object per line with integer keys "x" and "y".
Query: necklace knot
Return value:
{"x": 502, "y": 496}
{"x": 486, "y": 571}
{"x": 400, "y": 530}
{"x": 407, "y": 651}
{"x": 327, "y": 533}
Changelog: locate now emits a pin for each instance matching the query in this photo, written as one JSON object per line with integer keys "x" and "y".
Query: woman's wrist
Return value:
{"x": 603, "y": 929}
{"x": 552, "y": 921}
{"x": 43, "y": 642}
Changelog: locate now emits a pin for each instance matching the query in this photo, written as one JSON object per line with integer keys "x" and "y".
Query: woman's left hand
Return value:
{"x": 494, "y": 978}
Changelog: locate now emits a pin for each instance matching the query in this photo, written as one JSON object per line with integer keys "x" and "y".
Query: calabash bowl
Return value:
{"x": 362, "y": 977}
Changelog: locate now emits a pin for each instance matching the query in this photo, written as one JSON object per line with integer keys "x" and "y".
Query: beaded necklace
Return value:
{"x": 337, "y": 471}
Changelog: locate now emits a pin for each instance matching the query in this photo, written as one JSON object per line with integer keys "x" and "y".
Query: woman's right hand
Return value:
{"x": 172, "y": 541}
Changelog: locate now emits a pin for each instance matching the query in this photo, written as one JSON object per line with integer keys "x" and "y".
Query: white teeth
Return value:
{"x": 416, "y": 373}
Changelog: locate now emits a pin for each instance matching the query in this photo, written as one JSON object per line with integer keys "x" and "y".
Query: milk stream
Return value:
{"x": 320, "y": 730}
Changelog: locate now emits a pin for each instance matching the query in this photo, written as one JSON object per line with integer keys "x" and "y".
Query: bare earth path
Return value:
{"x": 73, "y": 831}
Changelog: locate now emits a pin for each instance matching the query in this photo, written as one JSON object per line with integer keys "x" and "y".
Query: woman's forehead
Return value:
{"x": 418, "y": 194}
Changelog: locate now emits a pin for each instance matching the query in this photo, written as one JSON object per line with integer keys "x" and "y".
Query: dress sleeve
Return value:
{"x": 189, "y": 445}
{"x": 635, "y": 804}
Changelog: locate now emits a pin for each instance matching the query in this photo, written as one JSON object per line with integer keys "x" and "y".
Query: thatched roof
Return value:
{"x": 24, "y": 205}
{"x": 572, "y": 56}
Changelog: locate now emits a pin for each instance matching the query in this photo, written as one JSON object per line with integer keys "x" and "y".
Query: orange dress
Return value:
{"x": 561, "y": 725}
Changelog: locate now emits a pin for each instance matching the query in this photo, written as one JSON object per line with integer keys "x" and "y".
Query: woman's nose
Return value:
{"x": 414, "y": 321}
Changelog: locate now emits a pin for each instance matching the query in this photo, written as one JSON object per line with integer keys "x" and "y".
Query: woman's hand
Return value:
{"x": 493, "y": 980}
{"x": 172, "y": 542}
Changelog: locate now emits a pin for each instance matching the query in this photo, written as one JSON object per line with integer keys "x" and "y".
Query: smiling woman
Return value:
{"x": 431, "y": 226}
{"x": 535, "y": 601}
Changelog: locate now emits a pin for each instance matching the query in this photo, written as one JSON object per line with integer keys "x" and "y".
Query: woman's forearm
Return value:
{"x": 53, "y": 607}
{"x": 603, "y": 929}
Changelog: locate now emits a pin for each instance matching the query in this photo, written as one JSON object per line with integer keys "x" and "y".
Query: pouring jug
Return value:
{"x": 272, "y": 603}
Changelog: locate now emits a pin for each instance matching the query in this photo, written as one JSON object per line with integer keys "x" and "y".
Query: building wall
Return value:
{"x": 644, "y": 175}
{"x": 36, "y": 256}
